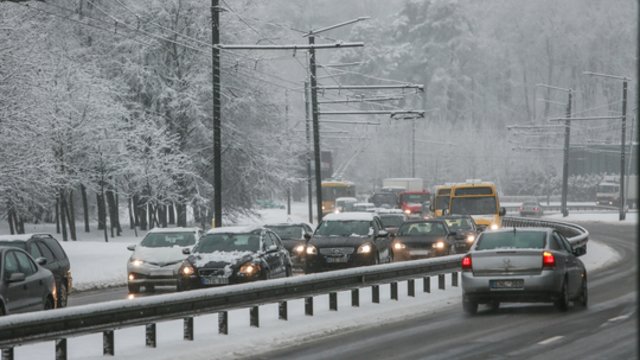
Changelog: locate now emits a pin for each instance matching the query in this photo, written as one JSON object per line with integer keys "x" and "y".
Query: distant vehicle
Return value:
{"x": 411, "y": 202}
{"x": 333, "y": 189}
{"x": 531, "y": 208}
{"x": 57, "y": 261}
{"x": 294, "y": 238}
{"x": 608, "y": 191}
{"x": 392, "y": 219}
{"x": 478, "y": 199}
{"x": 440, "y": 200}
{"x": 347, "y": 240}
{"x": 344, "y": 204}
{"x": 363, "y": 206}
{"x": 157, "y": 259}
{"x": 234, "y": 254}
{"x": 523, "y": 265}
{"x": 26, "y": 285}
{"x": 407, "y": 184}
{"x": 384, "y": 199}
{"x": 465, "y": 230}
{"x": 269, "y": 204}
{"x": 417, "y": 239}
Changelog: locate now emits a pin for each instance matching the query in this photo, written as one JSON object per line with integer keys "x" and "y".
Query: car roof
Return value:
{"x": 20, "y": 237}
{"x": 299, "y": 223}
{"x": 173, "y": 229}
{"x": 511, "y": 229}
{"x": 235, "y": 229}
{"x": 347, "y": 216}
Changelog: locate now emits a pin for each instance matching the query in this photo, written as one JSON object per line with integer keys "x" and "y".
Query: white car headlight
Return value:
{"x": 470, "y": 238}
{"x": 187, "y": 270}
{"x": 137, "y": 262}
{"x": 399, "y": 246}
{"x": 249, "y": 269}
{"x": 299, "y": 249}
{"x": 439, "y": 245}
{"x": 494, "y": 226}
{"x": 408, "y": 212}
{"x": 364, "y": 249}
{"x": 312, "y": 250}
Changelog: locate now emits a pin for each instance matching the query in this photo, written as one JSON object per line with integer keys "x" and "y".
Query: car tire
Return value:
{"x": 583, "y": 300}
{"x": 133, "y": 289}
{"x": 63, "y": 295}
{"x": 494, "y": 305}
{"x": 562, "y": 303}
{"x": 288, "y": 272}
{"x": 470, "y": 307}
{"x": 48, "y": 303}
{"x": 3, "y": 312}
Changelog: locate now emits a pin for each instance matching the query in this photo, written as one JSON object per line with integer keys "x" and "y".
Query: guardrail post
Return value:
{"x": 426, "y": 285}
{"x": 254, "y": 316}
{"x": 375, "y": 294}
{"x": 282, "y": 310}
{"x": 107, "y": 343}
{"x": 333, "y": 301}
{"x": 7, "y": 353}
{"x": 441, "y": 281}
{"x": 308, "y": 306}
{"x": 355, "y": 297}
{"x": 394, "y": 290}
{"x": 187, "y": 328}
{"x": 61, "y": 349}
{"x": 150, "y": 335}
{"x": 454, "y": 279}
{"x": 411, "y": 287}
{"x": 223, "y": 323}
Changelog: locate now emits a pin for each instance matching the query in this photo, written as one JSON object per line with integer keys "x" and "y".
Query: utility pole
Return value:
{"x": 308, "y": 131}
{"x": 565, "y": 162}
{"x": 217, "y": 144}
{"x": 286, "y": 116}
{"x": 413, "y": 148}
{"x": 316, "y": 126}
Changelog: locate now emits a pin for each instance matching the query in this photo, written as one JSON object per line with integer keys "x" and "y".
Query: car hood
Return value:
{"x": 165, "y": 255}
{"x": 221, "y": 259}
{"x": 338, "y": 241}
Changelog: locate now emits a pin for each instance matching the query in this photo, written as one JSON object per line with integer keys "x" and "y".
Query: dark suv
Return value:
{"x": 46, "y": 246}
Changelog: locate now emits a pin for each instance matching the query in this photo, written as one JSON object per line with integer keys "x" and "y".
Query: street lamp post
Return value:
{"x": 625, "y": 80}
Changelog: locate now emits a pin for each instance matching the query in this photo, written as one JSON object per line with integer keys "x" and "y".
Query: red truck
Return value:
{"x": 411, "y": 201}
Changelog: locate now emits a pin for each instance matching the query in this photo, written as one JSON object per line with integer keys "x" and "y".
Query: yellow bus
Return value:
{"x": 478, "y": 199}
{"x": 333, "y": 189}
{"x": 440, "y": 199}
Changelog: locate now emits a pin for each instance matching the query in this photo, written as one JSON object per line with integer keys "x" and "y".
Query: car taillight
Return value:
{"x": 466, "y": 263}
{"x": 548, "y": 260}
{"x": 535, "y": 209}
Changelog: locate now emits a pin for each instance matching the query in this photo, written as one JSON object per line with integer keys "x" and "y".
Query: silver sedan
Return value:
{"x": 523, "y": 265}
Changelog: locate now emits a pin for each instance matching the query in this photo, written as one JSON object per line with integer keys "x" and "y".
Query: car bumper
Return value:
{"x": 415, "y": 254}
{"x": 320, "y": 262}
{"x": 197, "y": 282}
{"x": 542, "y": 287}
{"x": 161, "y": 276}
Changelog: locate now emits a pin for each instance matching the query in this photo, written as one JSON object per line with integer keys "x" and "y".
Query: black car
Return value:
{"x": 25, "y": 285}
{"x": 46, "y": 246}
{"x": 347, "y": 240}
{"x": 294, "y": 238}
{"x": 231, "y": 255}
{"x": 423, "y": 239}
{"x": 465, "y": 228}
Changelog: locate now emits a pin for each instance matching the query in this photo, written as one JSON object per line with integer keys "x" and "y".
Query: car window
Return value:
{"x": 168, "y": 239}
{"x": 34, "y": 251}
{"x": 563, "y": 241}
{"x": 210, "y": 243}
{"x": 26, "y": 265}
{"x": 55, "y": 247}
{"x": 46, "y": 251}
{"x": 267, "y": 241}
{"x": 511, "y": 240}
{"x": 422, "y": 229}
{"x": 288, "y": 232}
{"x": 344, "y": 228}
{"x": 556, "y": 244}
{"x": 10, "y": 264}
{"x": 275, "y": 239}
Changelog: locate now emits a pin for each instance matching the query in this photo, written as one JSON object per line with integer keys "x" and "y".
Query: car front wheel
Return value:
{"x": 583, "y": 300}
{"x": 62, "y": 295}
{"x": 562, "y": 303}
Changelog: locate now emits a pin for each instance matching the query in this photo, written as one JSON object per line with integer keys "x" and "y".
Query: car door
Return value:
{"x": 573, "y": 268}
{"x": 16, "y": 298}
{"x": 34, "y": 281}
{"x": 382, "y": 242}
{"x": 271, "y": 257}
{"x": 283, "y": 254}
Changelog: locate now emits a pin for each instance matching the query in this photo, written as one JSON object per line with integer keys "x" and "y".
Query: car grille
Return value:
{"x": 337, "y": 251}
{"x": 211, "y": 272}
{"x": 161, "y": 264}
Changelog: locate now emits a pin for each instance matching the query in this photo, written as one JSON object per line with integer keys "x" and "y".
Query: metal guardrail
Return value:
{"x": 570, "y": 208}
{"x": 61, "y": 323}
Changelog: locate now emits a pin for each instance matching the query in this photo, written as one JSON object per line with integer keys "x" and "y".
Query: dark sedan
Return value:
{"x": 422, "y": 239}
{"x": 25, "y": 285}
{"x": 347, "y": 240}
{"x": 231, "y": 255}
{"x": 465, "y": 230}
{"x": 523, "y": 265}
{"x": 294, "y": 237}
{"x": 531, "y": 208}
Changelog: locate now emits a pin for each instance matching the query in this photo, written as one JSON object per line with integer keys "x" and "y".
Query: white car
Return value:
{"x": 157, "y": 259}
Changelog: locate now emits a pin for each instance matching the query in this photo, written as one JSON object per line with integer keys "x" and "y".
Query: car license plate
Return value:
{"x": 420, "y": 252}
{"x": 162, "y": 273}
{"x": 507, "y": 284}
{"x": 217, "y": 280}
{"x": 337, "y": 259}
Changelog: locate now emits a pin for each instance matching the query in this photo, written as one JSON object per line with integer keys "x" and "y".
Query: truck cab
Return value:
{"x": 411, "y": 202}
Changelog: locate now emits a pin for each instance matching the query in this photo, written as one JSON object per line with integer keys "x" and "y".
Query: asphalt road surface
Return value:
{"x": 607, "y": 329}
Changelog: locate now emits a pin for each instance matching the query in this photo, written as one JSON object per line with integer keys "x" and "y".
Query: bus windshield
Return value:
{"x": 481, "y": 205}
{"x": 442, "y": 202}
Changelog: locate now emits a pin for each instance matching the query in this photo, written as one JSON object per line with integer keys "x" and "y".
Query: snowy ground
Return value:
{"x": 91, "y": 253}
